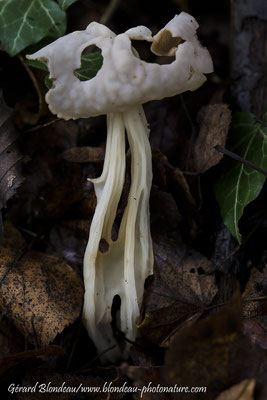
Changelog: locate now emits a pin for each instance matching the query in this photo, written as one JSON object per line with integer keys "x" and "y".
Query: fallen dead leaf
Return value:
{"x": 87, "y": 387}
{"x": 51, "y": 184}
{"x": 255, "y": 293}
{"x": 18, "y": 358}
{"x": 147, "y": 377}
{"x": 183, "y": 286}
{"x": 12, "y": 236}
{"x": 164, "y": 214}
{"x": 10, "y": 158}
{"x": 256, "y": 329}
{"x": 214, "y": 121}
{"x": 39, "y": 294}
{"x": 68, "y": 239}
{"x": 11, "y": 340}
{"x": 255, "y": 306}
{"x": 212, "y": 353}
{"x": 84, "y": 154}
{"x": 171, "y": 179}
{"x": 242, "y": 391}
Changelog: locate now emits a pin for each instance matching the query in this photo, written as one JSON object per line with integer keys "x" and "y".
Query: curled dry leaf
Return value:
{"x": 39, "y": 294}
{"x": 51, "y": 184}
{"x": 214, "y": 121}
{"x": 164, "y": 214}
{"x": 10, "y": 158}
{"x": 11, "y": 340}
{"x": 255, "y": 293}
{"x": 18, "y": 358}
{"x": 242, "y": 391}
{"x": 147, "y": 377}
{"x": 84, "y": 154}
{"x": 183, "y": 285}
{"x": 255, "y": 306}
{"x": 172, "y": 179}
{"x": 213, "y": 353}
{"x": 68, "y": 239}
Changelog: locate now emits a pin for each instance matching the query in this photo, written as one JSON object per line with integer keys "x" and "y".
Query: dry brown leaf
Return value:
{"x": 51, "y": 185}
{"x": 15, "y": 359}
{"x": 183, "y": 285}
{"x": 39, "y": 294}
{"x": 172, "y": 179}
{"x": 68, "y": 239}
{"x": 255, "y": 293}
{"x": 147, "y": 377}
{"x": 11, "y": 340}
{"x": 255, "y": 306}
{"x": 213, "y": 353}
{"x": 242, "y": 391}
{"x": 214, "y": 121}
{"x": 10, "y": 158}
{"x": 12, "y": 236}
{"x": 88, "y": 382}
{"x": 84, "y": 154}
{"x": 256, "y": 329}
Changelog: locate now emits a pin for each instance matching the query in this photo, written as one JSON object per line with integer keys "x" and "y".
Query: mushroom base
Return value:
{"x": 123, "y": 268}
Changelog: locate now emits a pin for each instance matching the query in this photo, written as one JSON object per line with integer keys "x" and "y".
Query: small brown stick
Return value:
{"x": 37, "y": 127}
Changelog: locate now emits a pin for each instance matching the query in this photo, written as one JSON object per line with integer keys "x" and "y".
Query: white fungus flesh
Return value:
{"x": 119, "y": 89}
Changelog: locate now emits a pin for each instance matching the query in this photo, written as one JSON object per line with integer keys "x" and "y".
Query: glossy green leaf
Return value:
{"x": 64, "y": 4}
{"x": 90, "y": 65}
{"x": 24, "y": 22}
{"x": 40, "y": 64}
{"x": 239, "y": 184}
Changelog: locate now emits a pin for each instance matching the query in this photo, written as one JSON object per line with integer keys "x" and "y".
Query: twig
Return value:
{"x": 191, "y": 173}
{"x": 111, "y": 8}
{"x": 240, "y": 159}
{"x": 193, "y": 129}
{"x": 89, "y": 368}
{"x": 74, "y": 345}
{"x": 38, "y": 127}
{"x": 34, "y": 81}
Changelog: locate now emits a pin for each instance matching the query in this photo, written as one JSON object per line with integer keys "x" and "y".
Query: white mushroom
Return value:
{"x": 119, "y": 89}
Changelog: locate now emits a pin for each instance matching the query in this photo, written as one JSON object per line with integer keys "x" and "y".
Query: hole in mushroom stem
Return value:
{"x": 91, "y": 62}
{"x": 103, "y": 246}
{"x": 115, "y": 309}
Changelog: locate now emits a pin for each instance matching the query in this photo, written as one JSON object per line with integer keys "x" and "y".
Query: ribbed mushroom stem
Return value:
{"x": 135, "y": 226}
{"x": 123, "y": 268}
{"x": 97, "y": 274}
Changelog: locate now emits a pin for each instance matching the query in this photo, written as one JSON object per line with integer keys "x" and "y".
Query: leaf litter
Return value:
{"x": 183, "y": 286}
{"x": 10, "y": 158}
{"x": 40, "y": 294}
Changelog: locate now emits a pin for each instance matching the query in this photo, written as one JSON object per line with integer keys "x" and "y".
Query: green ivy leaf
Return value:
{"x": 240, "y": 184}
{"x": 90, "y": 65}
{"x": 40, "y": 64}
{"x": 64, "y": 4}
{"x": 28, "y": 21}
